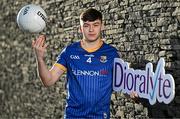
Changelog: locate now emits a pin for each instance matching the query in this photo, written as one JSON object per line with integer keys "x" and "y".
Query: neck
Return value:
{"x": 91, "y": 45}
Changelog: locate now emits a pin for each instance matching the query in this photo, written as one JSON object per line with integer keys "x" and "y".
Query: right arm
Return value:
{"x": 48, "y": 77}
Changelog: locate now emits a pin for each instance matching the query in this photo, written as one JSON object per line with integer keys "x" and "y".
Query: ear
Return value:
{"x": 102, "y": 27}
{"x": 80, "y": 29}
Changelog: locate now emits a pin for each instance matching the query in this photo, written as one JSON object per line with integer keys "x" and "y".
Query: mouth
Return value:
{"x": 92, "y": 34}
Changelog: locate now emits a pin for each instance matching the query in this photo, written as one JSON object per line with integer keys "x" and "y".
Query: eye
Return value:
{"x": 85, "y": 25}
{"x": 96, "y": 24}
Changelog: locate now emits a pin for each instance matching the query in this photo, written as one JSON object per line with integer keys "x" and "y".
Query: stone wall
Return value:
{"x": 142, "y": 30}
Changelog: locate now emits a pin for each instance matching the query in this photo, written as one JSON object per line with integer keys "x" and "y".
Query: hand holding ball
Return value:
{"x": 31, "y": 18}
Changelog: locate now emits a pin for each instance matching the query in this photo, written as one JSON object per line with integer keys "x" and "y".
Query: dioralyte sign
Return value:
{"x": 148, "y": 84}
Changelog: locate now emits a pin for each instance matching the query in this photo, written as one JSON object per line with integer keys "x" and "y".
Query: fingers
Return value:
{"x": 39, "y": 42}
{"x": 134, "y": 94}
{"x": 33, "y": 43}
{"x": 45, "y": 46}
{"x": 42, "y": 41}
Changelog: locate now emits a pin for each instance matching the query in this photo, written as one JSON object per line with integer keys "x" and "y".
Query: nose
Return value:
{"x": 91, "y": 28}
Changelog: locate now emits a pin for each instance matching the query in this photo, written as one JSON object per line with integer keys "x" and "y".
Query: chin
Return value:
{"x": 92, "y": 39}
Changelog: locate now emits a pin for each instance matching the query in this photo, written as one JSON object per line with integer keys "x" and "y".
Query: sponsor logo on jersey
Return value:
{"x": 91, "y": 55}
{"x": 90, "y": 72}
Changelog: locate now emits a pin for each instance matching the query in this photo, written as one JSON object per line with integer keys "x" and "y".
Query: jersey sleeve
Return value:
{"x": 117, "y": 54}
{"x": 61, "y": 61}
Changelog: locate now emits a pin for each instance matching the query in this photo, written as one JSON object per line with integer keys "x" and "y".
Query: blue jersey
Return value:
{"x": 89, "y": 80}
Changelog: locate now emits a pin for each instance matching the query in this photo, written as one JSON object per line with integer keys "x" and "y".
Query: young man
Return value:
{"x": 89, "y": 67}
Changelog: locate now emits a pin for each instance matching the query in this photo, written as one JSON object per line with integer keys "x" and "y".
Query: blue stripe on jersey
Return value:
{"x": 89, "y": 78}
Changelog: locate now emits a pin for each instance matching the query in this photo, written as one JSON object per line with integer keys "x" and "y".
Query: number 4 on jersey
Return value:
{"x": 89, "y": 60}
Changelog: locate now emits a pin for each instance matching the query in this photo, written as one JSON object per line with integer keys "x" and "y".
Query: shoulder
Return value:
{"x": 71, "y": 47}
{"x": 111, "y": 50}
{"x": 74, "y": 44}
{"x": 110, "y": 47}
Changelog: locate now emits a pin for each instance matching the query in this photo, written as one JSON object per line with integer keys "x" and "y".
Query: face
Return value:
{"x": 91, "y": 30}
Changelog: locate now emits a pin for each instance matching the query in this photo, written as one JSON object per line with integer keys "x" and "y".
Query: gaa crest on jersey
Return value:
{"x": 103, "y": 59}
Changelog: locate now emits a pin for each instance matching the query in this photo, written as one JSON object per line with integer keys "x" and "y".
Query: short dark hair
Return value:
{"x": 91, "y": 15}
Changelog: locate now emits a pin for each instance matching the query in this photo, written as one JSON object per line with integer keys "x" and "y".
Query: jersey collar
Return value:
{"x": 92, "y": 49}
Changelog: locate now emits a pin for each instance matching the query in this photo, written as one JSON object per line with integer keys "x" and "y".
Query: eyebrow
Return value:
{"x": 96, "y": 23}
{"x": 93, "y": 23}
